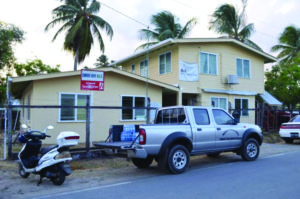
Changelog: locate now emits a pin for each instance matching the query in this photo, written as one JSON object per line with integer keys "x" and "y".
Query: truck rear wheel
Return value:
{"x": 142, "y": 163}
{"x": 178, "y": 159}
{"x": 250, "y": 150}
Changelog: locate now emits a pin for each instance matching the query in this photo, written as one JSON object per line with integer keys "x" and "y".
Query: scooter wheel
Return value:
{"x": 22, "y": 172}
{"x": 59, "y": 178}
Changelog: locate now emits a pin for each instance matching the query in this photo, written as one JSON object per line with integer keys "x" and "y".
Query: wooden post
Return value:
{"x": 87, "y": 118}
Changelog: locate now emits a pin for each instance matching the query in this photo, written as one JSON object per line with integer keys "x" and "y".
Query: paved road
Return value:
{"x": 274, "y": 175}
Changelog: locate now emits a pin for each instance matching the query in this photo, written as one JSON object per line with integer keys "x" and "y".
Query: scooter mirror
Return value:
{"x": 50, "y": 127}
{"x": 24, "y": 126}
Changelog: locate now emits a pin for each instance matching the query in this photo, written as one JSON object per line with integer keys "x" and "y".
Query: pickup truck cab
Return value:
{"x": 181, "y": 131}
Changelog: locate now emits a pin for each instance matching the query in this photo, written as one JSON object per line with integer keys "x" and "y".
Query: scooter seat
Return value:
{"x": 45, "y": 150}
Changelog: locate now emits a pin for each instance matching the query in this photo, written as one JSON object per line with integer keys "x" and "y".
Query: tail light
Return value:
{"x": 294, "y": 126}
{"x": 142, "y": 136}
{"x": 72, "y": 138}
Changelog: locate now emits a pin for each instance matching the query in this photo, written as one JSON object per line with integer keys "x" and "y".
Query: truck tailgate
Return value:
{"x": 113, "y": 145}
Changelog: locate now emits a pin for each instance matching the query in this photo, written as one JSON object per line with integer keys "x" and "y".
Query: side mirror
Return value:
{"x": 237, "y": 120}
{"x": 236, "y": 115}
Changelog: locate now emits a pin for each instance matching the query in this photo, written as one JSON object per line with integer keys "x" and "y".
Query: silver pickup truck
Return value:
{"x": 181, "y": 131}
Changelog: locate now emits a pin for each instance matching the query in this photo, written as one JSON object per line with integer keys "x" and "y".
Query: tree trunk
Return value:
{"x": 76, "y": 59}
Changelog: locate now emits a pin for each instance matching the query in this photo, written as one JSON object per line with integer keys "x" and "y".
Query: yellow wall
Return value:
{"x": 227, "y": 53}
{"x": 46, "y": 92}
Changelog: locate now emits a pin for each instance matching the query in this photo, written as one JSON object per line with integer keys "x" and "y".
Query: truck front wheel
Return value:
{"x": 178, "y": 159}
{"x": 142, "y": 163}
{"x": 250, "y": 150}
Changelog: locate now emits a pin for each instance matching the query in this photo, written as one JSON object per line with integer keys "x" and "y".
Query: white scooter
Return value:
{"x": 51, "y": 162}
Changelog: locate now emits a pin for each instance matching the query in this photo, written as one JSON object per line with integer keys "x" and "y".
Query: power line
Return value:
{"x": 121, "y": 13}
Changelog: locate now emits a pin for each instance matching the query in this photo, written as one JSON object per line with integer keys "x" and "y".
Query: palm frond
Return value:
{"x": 187, "y": 28}
{"x": 146, "y": 45}
{"x": 99, "y": 37}
{"x": 98, "y": 21}
{"x": 94, "y": 7}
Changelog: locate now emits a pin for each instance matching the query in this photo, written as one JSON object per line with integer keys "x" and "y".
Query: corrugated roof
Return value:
{"x": 270, "y": 99}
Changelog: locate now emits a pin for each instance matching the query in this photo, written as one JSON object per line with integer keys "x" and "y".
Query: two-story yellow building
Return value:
{"x": 217, "y": 72}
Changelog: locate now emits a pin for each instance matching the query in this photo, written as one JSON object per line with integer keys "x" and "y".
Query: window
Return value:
{"x": 222, "y": 118}
{"x": 208, "y": 63}
{"x": 201, "y": 116}
{"x": 133, "y": 114}
{"x": 242, "y": 104}
{"x": 219, "y": 102}
{"x": 132, "y": 68}
{"x": 144, "y": 68}
{"x": 171, "y": 116}
{"x": 165, "y": 63}
{"x": 72, "y": 114}
{"x": 243, "y": 68}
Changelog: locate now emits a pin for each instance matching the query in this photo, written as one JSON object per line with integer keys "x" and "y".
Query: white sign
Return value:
{"x": 188, "y": 71}
{"x": 92, "y": 80}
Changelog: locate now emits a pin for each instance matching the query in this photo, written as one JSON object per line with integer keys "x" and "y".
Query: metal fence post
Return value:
{"x": 88, "y": 132}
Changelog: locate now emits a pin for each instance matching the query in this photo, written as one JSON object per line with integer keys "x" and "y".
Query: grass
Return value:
{"x": 272, "y": 137}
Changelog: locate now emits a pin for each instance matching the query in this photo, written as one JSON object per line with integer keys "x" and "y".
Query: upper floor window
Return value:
{"x": 72, "y": 114}
{"x": 208, "y": 63}
{"x": 144, "y": 68}
{"x": 165, "y": 63}
{"x": 132, "y": 68}
{"x": 219, "y": 102}
{"x": 130, "y": 113}
{"x": 243, "y": 68}
{"x": 242, "y": 105}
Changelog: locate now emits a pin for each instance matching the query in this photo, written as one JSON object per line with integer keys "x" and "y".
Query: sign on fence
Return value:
{"x": 92, "y": 80}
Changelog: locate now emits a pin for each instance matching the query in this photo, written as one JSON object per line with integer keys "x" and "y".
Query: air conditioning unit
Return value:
{"x": 232, "y": 79}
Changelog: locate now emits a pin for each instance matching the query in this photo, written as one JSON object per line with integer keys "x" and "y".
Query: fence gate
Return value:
{"x": 3, "y": 139}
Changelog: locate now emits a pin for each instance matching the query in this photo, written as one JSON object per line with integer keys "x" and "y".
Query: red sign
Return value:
{"x": 92, "y": 80}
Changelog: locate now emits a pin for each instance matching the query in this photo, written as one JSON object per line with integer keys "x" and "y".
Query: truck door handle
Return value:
{"x": 199, "y": 129}
{"x": 218, "y": 129}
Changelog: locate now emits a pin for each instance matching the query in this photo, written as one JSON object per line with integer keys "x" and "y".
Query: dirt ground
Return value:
{"x": 109, "y": 171}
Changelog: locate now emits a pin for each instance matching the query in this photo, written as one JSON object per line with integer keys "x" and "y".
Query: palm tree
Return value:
{"x": 102, "y": 61}
{"x": 166, "y": 26}
{"x": 81, "y": 24}
{"x": 227, "y": 20}
{"x": 289, "y": 44}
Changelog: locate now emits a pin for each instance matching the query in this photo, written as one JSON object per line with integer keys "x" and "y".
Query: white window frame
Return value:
{"x": 147, "y": 72}
{"x": 165, "y": 64}
{"x": 241, "y": 112}
{"x": 226, "y": 108}
{"x": 75, "y": 112}
{"x": 208, "y": 53}
{"x": 133, "y": 110}
{"x": 243, "y": 69}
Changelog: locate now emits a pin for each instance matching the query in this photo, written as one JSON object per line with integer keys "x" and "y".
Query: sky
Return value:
{"x": 270, "y": 17}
